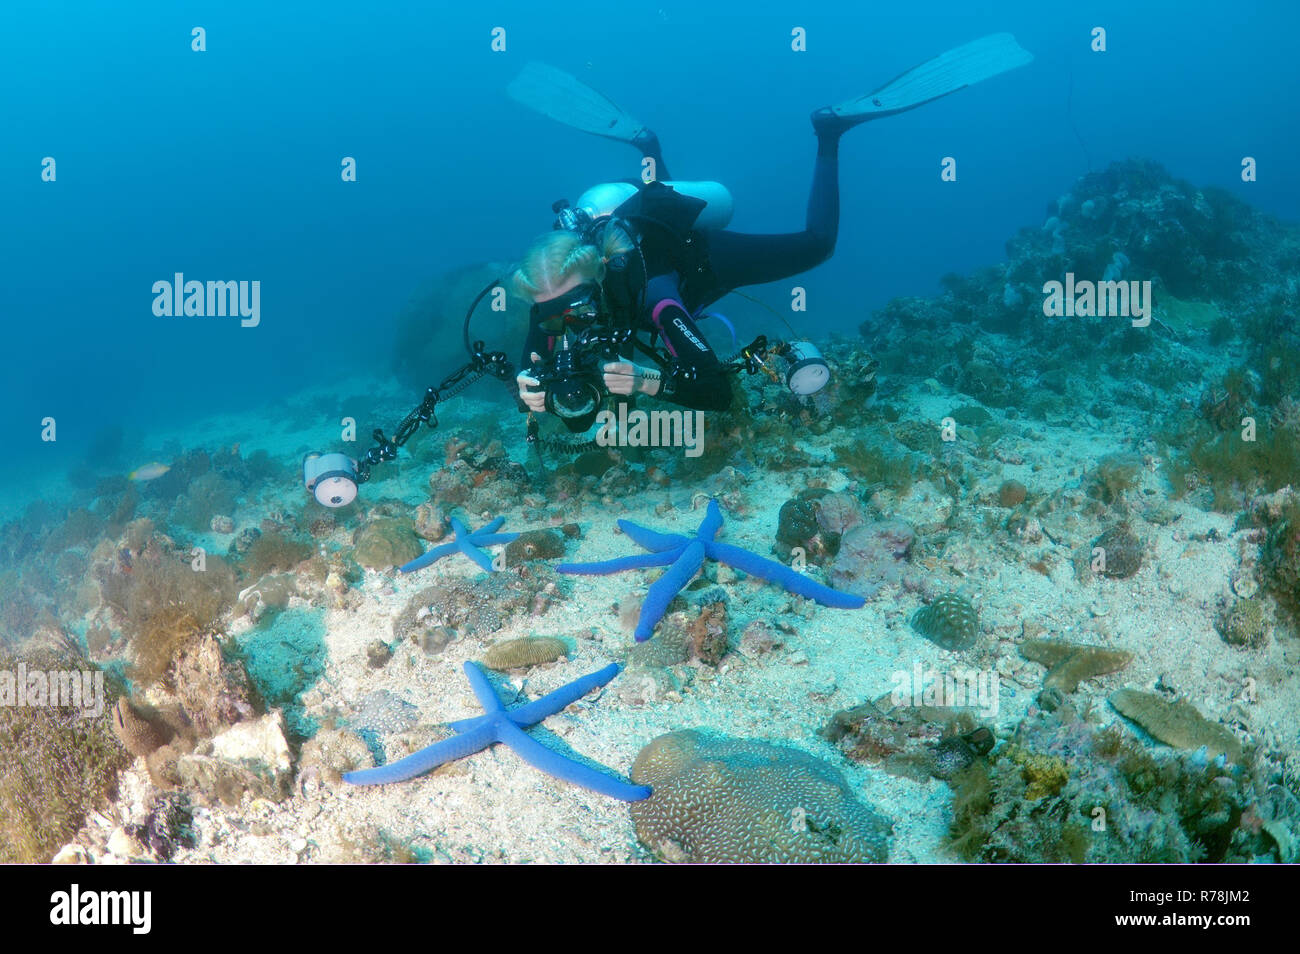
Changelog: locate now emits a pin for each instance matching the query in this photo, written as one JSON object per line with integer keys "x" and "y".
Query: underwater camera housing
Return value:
{"x": 572, "y": 378}
{"x": 330, "y": 478}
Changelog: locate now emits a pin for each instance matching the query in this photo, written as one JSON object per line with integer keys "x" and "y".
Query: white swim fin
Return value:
{"x": 566, "y": 99}
{"x": 946, "y": 73}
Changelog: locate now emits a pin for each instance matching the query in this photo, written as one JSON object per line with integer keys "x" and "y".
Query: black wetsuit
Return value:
{"x": 729, "y": 260}
{"x": 686, "y": 269}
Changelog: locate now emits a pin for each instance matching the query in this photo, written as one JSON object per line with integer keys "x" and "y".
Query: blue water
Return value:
{"x": 225, "y": 164}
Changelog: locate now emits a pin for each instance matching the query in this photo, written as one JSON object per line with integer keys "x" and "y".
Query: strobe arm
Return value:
{"x": 482, "y": 363}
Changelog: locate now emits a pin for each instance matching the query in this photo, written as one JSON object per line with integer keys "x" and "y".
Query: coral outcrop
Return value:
{"x": 1063, "y": 789}
{"x": 717, "y": 799}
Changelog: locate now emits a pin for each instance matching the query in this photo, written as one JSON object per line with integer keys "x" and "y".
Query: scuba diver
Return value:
{"x": 630, "y": 267}
{"x": 647, "y": 257}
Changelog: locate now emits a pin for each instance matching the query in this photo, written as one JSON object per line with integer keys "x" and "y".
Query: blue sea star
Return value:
{"x": 685, "y": 555}
{"x": 498, "y": 724}
{"x": 468, "y": 542}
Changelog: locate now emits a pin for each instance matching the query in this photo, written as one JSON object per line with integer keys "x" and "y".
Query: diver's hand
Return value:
{"x": 535, "y": 400}
{"x": 624, "y": 377}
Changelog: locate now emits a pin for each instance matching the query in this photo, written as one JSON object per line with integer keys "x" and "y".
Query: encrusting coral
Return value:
{"x": 872, "y": 555}
{"x": 1065, "y": 790}
{"x": 480, "y": 607}
{"x": 386, "y": 542}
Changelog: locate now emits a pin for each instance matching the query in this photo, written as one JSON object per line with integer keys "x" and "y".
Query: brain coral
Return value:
{"x": 524, "y": 652}
{"x": 718, "y": 799}
{"x": 950, "y": 621}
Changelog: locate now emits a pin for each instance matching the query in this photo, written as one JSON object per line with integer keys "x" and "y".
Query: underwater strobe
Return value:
{"x": 808, "y": 372}
{"x": 331, "y": 478}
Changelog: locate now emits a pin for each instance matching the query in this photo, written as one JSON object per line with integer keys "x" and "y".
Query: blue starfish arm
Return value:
{"x": 483, "y": 690}
{"x": 779, "y": 573}
{"x": 474, "y": 553}
{"x": 468, "y": 725}
{"x": 637, "y": 561}
{"x": 491, "y": 526}
{"x": 466, "y": 541}
{"x": 429, "y": 556}
{"x": 417, "y": 763}
{"x": 561, "y": 766}
{"x": 652, "y": 540}
{"x": 497, "y": 725}
{"x": 663, "y": 590}
{"x": 551, "y": 703}
{"x": 711, "y": 523}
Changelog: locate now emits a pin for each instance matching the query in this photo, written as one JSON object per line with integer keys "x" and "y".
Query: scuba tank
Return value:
{"x": 601, "y": 200}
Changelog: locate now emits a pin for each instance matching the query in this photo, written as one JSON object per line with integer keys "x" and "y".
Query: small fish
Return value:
{"x": 151, "y": 471}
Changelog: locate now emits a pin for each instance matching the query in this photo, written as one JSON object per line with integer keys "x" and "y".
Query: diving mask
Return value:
{"x": 574, "y": 309}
